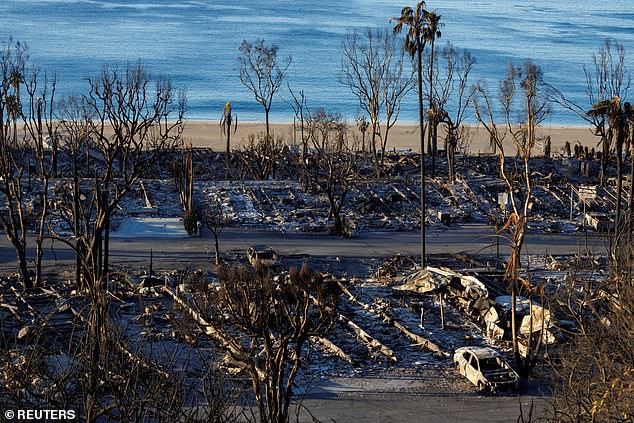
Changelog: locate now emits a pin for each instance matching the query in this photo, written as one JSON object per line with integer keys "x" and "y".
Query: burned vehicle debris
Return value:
{"x": 263, "y": 256}
{"x": 485, "y": 368}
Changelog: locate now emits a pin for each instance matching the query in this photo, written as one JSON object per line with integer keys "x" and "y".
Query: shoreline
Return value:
{"x": 207, "y": 134}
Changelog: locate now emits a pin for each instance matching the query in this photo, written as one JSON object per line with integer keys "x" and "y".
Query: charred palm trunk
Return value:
{"x": 432, "y": 116}
{"x": 619, "y": 179}
{"x": 605, "y": 159}
{"x": 228, "y": 147}
{"x": 421, "y": 116}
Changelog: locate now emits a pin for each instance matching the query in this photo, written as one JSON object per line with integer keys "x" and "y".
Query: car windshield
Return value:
{"x": 491, "y": 363}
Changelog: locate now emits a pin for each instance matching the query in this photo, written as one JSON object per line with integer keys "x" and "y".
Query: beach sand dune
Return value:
{"x": 207, "y": 134}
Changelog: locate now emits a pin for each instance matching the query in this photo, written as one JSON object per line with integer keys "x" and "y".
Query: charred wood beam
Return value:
{"x": 417, "y": 339}
{"x": 373, "y": 344}
{"x": 333, "y": 348}
{"x": 235, "y": 349}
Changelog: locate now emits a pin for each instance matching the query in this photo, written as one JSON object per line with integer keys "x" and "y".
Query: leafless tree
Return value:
{"x": 526, "y": 79}
{"x": 452, "y": 98}
{"x": 372, "y": 66}
{"x": 214, "y": 219}
{"x": 332, "y": 166}
{"x": 39, "y": 124}
{"x": 131, "y": 124}
{"x": 25, "y": 209}
{"x": 75, "y": 142}
{"x": 607, "y": 78}
{"x": 262, "y": 73}
{"x": 619, "y": 117}
{"x": 593, "y": 375}
{"x": 302, "y": 113}
{"x": 273, "y": 321}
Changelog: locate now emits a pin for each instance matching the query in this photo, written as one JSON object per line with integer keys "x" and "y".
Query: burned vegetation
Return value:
{"x": 244, "y": 334}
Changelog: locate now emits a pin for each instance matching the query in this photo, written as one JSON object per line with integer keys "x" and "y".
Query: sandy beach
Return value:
{"x": 402, "y": 136}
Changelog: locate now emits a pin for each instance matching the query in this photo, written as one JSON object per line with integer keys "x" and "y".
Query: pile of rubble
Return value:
{"x": 493, "y": 312}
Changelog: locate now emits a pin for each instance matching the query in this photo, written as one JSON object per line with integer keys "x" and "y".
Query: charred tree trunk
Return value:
{"x": 451, "y": 157}
{"x": 24, "y": 269}
{"x": 620, "y": 142}
{"x": 421, "y": 115}
{"x": 76, "y": 226}
{"x": 216, "y": 248}
{"x": 106, "y": 249}
{"x": 630, "y": 201}
{"x": 605, "y": 159}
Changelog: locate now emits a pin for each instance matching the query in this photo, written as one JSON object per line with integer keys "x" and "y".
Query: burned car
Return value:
{"x": 265, "y": 256}
{"x": 485, "y": 368}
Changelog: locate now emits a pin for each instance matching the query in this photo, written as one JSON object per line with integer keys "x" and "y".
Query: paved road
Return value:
{"x": 469, "y": 238}
{"x": 411, "y": 408}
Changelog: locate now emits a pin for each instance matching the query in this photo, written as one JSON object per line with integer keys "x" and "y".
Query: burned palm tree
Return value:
{"x": 431, "y": 32}
{"x": 16, "y": 79}
{"x": 414, "y": 19}
{"x": 228, "y": 120}
{"x": 618, "y": 117}
{"x": 362, "y": 124}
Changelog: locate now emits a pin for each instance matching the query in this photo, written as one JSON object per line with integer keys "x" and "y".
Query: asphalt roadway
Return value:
{"x": 473, "y": 239}
{"x": 426, "y": 408}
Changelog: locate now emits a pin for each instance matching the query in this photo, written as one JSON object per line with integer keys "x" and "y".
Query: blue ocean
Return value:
{"x": 196, "y": 43}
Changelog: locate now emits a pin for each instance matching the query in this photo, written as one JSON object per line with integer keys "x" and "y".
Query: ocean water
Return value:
{"x": 196, "y": 43}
